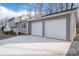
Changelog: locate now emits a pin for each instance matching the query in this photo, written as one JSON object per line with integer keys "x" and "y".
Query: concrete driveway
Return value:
{"x": 33, "y": 46}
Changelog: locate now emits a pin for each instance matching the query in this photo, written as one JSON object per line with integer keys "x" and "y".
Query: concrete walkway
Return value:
{"x": 33, "y": 46}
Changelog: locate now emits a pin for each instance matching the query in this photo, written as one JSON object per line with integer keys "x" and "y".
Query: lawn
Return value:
{"x": 4, "y": 36}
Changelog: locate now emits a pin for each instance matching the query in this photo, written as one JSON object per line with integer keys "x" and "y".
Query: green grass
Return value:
{"x": 4, "y": 36}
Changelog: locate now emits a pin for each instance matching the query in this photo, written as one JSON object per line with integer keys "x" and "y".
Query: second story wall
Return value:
{"x": 12, "y": 22}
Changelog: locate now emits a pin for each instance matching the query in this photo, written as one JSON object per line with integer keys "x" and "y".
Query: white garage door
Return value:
{"x": 56, "y": 28}
{"x": 36, "y": 28}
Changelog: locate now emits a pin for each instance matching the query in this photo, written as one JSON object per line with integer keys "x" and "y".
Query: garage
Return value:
{"x": 56, "y": 28}
{"x": 61, "y": 26}
{"x": 36, "y": 28}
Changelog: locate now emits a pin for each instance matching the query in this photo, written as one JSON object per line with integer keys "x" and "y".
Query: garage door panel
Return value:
{"x": 55, "y": 28}
{"x": 36, "y": 28}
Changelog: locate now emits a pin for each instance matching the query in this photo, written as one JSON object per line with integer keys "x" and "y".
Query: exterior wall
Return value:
{"x": 72, "y": 26}
{"x": 17, "y": 19}
{"x": 29, "y": 27}
{"x": 23, "y": 27}
{"x": 68, "y": 27}
{"x": 17, "y": 28}
{"x": 20, "y": 28}
{"x": 14, "y": 30}
{"x": 43, "y": 28}
{"x": 12, "y": 23}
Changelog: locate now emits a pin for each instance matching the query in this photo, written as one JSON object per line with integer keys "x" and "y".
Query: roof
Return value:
{"x": 54, "y": 14}
{"x": 11, "y": 18}
{"x": 21, "y": 19}
{"x": 60, "y": 12}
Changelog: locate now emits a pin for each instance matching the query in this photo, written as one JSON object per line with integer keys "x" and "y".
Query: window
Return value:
{"x": 23, "y": 25}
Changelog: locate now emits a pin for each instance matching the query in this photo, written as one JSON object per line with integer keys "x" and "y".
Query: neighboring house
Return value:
{"x": 7, "y": 27}
{"x": 2, "y": 25}
{"x": 10, "y": 26}
{"x": 60, "y": 25}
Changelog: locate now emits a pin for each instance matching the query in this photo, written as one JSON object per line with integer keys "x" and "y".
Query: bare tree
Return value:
{"x": 61, "y": 6}
{"x": 38, "y": 8}
{"x": 56, "y": 7}
{"x": 29, "y": 11}
{"x": 66, "y": 6}
{"x": 72, "y": 5}
{"x": 50, "y": 7}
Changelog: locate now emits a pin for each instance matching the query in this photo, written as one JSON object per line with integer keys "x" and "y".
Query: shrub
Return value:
{"x": 8, "y": 32}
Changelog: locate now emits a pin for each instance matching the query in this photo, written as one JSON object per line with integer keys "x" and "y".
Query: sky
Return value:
{"x": 8, "y": 10}
{"x": 13, "y": 9}
{"x": 16, "y": 6}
